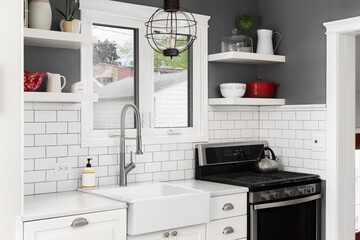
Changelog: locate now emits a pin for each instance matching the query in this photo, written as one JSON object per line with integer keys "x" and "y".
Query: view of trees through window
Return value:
{"x": 114, "y": 80}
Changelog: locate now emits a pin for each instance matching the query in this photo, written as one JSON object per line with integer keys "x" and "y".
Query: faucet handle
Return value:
{"x": 131, "y": 157}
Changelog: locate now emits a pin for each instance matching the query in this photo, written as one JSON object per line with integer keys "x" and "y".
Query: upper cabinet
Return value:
{"x": 246, "y": 58}
{"x": 56, "y": 39}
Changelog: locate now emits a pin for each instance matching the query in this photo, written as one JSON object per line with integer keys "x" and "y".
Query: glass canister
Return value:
{"x": 237, "y": 43}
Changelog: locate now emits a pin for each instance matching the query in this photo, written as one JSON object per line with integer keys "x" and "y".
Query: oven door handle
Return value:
{"x": 287, "y": 203}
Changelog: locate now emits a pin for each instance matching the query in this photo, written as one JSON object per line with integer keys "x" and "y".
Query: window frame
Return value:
{"x": 134, "y": 16}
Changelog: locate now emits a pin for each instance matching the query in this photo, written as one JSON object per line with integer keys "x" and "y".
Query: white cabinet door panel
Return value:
{"x": 189, "y": 233}
{"x": 228, "y": 206}
{"x": 109, "y": 225}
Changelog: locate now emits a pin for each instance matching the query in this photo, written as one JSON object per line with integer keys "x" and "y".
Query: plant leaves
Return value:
{"x": 73, "y": 13}
{"x": 245, "y": 22}
{"x": 61, "y": 13}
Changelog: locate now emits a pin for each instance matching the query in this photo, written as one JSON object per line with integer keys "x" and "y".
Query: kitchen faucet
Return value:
{"x": 124, "y": 170}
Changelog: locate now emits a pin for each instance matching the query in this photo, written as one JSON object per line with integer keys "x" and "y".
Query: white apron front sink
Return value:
{"x": 159, "y": 206}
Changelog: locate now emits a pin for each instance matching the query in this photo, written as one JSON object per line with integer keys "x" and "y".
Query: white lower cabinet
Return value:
{"x": 109, "y": 225}
{"x": 187, "y": 233}
{"x": 228, "y": 216}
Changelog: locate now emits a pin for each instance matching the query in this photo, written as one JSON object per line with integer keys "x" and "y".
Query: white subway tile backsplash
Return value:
{"x": 67, "y": 116}
{"x": 105, "y": 160}
{"x": 34, "y": 152}
{"x": 287, "y": 129}
{"x": 177, "y": 155}
{"x": 28, "y": 116}
{"x": 74, "y": 127}
{"x": 177, "y": 175}
{"x": 45, "y": 163}
{"x": 67, "y": 185}
{"x": 34, "y": 128}
{"x": 45, "y": 140}
{"x": 47, "y": 106}
{"x": 68, "y": 139}
{"x": 53, "y": 128}
{"x": 29, "y": 140}
{"x": 45, "y": 187}
{"x": 56, "y": 151}
{"x": 34, "y": 176}
{"x": 45, "y": 116}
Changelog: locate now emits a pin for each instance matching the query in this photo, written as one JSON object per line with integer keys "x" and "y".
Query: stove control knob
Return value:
{"x": 302, "y": 190}
{"x": 310, "y": 189}
{"x": 289, "y": 192}
{"x": 266, "y": 196}
{"x": 275, "y": 195}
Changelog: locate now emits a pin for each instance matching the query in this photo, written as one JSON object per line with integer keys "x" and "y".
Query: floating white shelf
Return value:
{"x": 55, "y": 39}
{"x": 59, "y": 97}
{"x": 246, "y": 101}
{"x": 246, "y": 58}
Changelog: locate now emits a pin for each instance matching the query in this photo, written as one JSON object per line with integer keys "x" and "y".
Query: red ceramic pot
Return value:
{"x": 32, "y": 81}
{"x": 260, "y": 89}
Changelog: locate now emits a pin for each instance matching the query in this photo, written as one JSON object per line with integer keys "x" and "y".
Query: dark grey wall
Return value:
{"x": 223, "y": 20}
{"x": 63, "y": 61}
{"x": 303, "y": 77}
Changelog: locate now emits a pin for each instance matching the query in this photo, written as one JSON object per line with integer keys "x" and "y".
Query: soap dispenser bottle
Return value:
{"x": 88, "y": 176}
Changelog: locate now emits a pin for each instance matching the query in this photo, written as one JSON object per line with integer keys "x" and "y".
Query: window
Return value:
{"x": 113, "y": 75}
{"x": 122, "y": 68}
{"x": 172, "y": 91}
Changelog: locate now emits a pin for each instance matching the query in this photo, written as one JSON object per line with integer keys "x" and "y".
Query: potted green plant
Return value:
{"x": 69, "y": 23}
{"x": 245, "y": 22}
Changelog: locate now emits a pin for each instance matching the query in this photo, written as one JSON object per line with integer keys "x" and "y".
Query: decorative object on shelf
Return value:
{"x": 239, "y": 43}
{"x": 68, "y": 16}
{"x": 40, "y": 15}
{"x": 26, "y": 13}
{"x": 171, "y": 30}
{"x": 260, "y": 89}
{"x": 78, "y": 87}
{"x": 32, "y": 81}
{"x": 54, "y": 82}
{"x": 233, "y": 90}
{"x": 76, "y": 25}
{"x": 265, "y": 43}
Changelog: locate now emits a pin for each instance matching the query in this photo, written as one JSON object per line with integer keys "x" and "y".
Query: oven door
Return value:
{"x": 297, "y": 219}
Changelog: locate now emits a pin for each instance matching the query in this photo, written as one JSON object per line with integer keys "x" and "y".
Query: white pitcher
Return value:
{"x": 54, "y": 82}
{"x": 265, "y": 43}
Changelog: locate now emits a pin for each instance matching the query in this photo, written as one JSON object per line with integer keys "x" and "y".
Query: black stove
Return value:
{"x": 234, "y": 163}
{"x": 293, "y": 199}
{"x": 254, "y": 180}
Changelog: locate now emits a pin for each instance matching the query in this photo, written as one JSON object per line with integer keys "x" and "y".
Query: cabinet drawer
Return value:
{"x": 227, "y": 229}
{"x": 228, "y": 206}
{"x": 107, "y": 225}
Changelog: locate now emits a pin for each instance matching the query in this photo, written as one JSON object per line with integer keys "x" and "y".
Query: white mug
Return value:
{"x": 54, "y": 82}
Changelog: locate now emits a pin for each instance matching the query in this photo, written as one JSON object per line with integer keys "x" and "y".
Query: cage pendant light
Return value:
{"x": 171, "y": 30}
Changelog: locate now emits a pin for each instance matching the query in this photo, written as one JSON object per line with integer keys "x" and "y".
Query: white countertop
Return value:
{"x": 216, "y": 189}
{"x": 65, "y": 204}
{"x": 53, "y": 205}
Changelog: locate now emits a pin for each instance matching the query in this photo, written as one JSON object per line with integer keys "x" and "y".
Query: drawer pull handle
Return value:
{"x": 174, "y": 233}
{"x": 228, "y": 230}
{"x": 166, "y": 235}
{"x": 79, "y": 222}
{"x": 228, "y": 207}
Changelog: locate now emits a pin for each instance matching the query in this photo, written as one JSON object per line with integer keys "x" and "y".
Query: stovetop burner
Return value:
{"x": 254, "y": 179}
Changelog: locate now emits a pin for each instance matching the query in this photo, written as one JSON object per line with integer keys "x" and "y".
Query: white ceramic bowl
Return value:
{"x": 233, "y": 90}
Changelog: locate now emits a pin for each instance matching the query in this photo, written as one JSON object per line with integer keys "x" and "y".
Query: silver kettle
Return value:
{"x": 267, "y": 165}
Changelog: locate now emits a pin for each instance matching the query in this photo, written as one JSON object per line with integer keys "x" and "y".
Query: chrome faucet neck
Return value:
{"x": 124, "y": 170}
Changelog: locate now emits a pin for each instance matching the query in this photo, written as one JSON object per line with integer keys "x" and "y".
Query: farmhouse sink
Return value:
{"x": 159, "y": 206}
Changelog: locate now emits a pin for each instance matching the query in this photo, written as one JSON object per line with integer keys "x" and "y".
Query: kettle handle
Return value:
{"x": 273, "y": 157}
